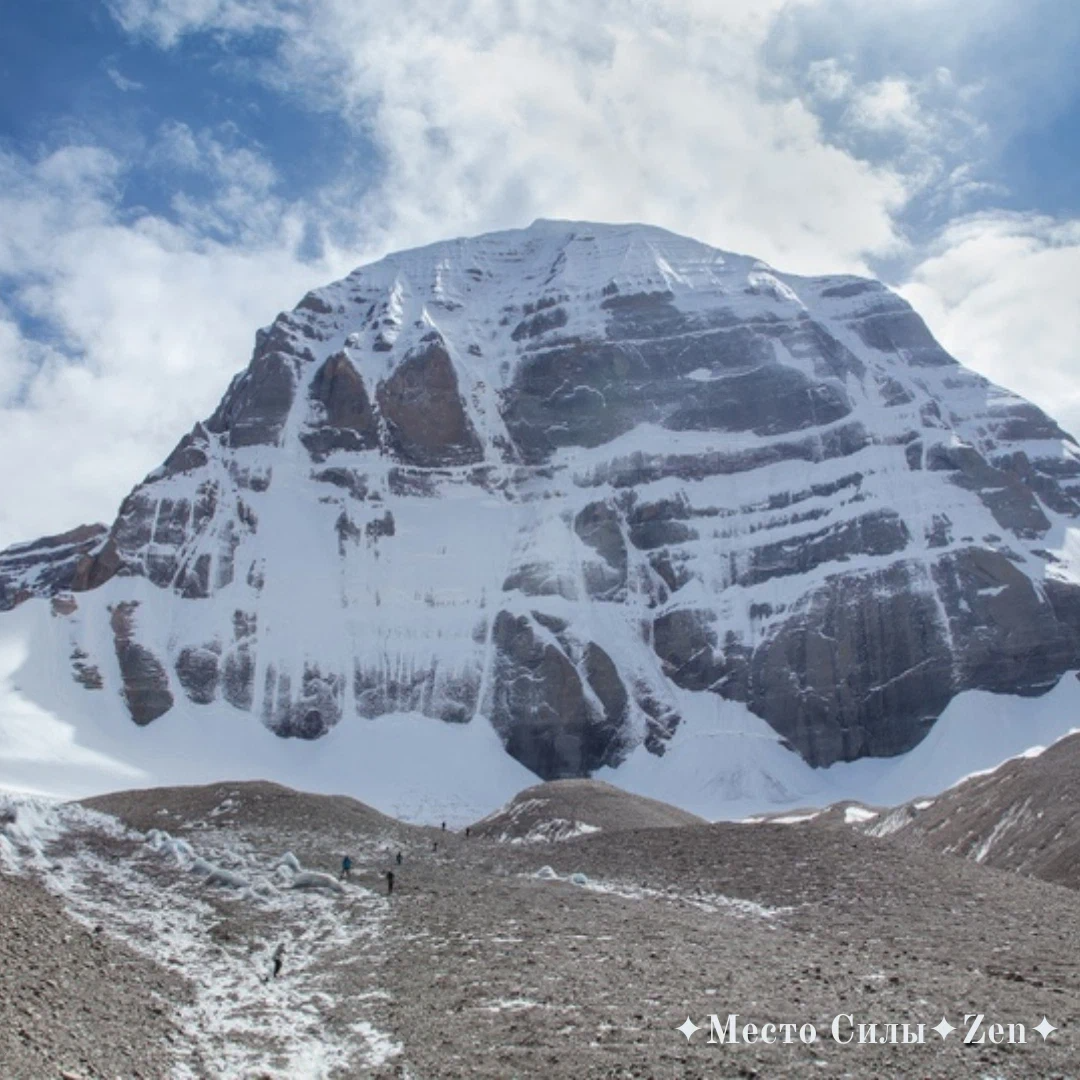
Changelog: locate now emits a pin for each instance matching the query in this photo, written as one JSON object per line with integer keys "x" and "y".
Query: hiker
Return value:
{"x": 468, "y": 832}
{"x": 435, "y": 845}
{"x": 389, "y": 882}
{"x": 346, "y": 869}
{"x": 279, "y": 959}
{"x": 399, "y": 858}
{"x": 444, "y": 826}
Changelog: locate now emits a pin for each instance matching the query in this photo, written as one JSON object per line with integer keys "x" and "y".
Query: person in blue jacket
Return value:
{"x": 346, "y": 868}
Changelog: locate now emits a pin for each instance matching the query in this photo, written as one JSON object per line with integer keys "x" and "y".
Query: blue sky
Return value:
{"x": 173, "y": 172}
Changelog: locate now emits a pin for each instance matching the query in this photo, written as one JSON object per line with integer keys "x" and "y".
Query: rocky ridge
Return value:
{"x": 562, "y": 809}
{"x": 1020, "y": 816}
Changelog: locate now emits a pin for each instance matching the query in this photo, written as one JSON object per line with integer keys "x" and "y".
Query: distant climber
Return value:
{"x": 444, "y": 826}
{"x": 399, "y": 858}
{"x": 468, "y": 832}
{"x": 346, "y": 869}
{"x": 389, "y": 882}
{"x": 279, "y": 959}
{"x": 435, "y": 845}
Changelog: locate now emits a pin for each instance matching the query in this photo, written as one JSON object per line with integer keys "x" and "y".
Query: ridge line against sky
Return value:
{"x": 174, "y": 172}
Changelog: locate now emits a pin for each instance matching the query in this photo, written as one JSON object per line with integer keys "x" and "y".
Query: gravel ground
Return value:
{"x": 498, "y": 974}
{"x": 479, "y": 966}
{"x": 73, "y": 1002}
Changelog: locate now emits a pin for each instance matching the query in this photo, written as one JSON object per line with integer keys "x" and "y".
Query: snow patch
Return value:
{"x": 241, "y": 1021}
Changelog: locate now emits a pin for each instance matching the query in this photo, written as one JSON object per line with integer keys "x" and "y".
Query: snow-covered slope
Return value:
{"x": 576, "y": 491}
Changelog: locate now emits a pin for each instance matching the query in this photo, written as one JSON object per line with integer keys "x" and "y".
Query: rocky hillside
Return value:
{"x": 1022, "y": 816}
{"x": 581, "y": 482}
{"x": 580, "y": 959}
{"x": 250, "y": 804}
{"x": 561, "y": 809}
{"x": 76, "y": 1003}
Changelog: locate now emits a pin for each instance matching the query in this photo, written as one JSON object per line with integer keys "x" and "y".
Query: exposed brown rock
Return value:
{"x": 47, "y": 566}
{"x": 345, "y": 419}
{"x": 423, "y": 407}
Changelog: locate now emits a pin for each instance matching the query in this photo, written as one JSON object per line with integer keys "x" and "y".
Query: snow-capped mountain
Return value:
{"x": 589, "y": 484}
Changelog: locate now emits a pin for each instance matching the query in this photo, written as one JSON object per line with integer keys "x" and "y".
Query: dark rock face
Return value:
{"x": 585, "y": 393}
{"x": 643, "y": 467}
{"x": 150, "y": 538}
{"x": 867, "y": 662}
{"x": 238, "y": 673}
{"x": 146, "y": 684}
{"x": 345, "y": 418}
{"x": 199, "y": 672}
{"x": 862, "y": 669}
{"x": 306, "y": 711}
{"x": 598, "y": 525}
{"x": 603, "y": 678}
{"x": 442, "y": 694}
{"x": 1013, "y": 505}
{"x": 892, "y": 327}
{"x": 686, "y": 643}
{"x": 87, "y": 675}
{"x": 257, "y": 404}
{"x": 191, "y": 453}
{"x": 422, "y": 406}
{"x": 539, "y": 579}
{"x": 1006, "y": 636}
{"x": 540, "y": 708}
{"x": 353, "y": 482}
{"x": 881, "y": 533}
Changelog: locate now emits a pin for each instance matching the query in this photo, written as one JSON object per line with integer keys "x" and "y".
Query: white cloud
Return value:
{"x": 829, "y": 80}
{"x": 147, "y": 320}
{"x": 889, "y": 104}
{"x": 924, "y": 129}
{"x": 244, "y": 206}
{"x": 168, "y": 20}
{"x": 122, "y": 82}
{"x": 485, "y": 115}
{"x": 489, "y": 115}
{"x": 1002, "y": 293}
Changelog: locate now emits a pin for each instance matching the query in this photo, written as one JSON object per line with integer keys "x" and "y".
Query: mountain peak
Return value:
{"x": 580, "y": 486}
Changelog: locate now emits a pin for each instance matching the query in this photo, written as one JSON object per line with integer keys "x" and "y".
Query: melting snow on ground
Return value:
{"x": 714, "y": 903}
{"x": 163, "y": 896}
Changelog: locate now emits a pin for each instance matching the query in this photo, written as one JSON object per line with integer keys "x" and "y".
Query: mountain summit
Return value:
{"x": 579, "y": 482}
